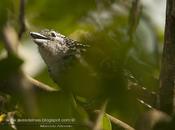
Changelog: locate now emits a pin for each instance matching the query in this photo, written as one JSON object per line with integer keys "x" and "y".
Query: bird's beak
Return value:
{"x": 38, "y": 38}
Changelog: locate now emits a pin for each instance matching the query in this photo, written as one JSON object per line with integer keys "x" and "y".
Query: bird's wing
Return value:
{"x": 75, "y": 45}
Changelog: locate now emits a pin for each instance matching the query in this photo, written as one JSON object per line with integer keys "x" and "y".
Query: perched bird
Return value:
{"x": 86, "y": 70}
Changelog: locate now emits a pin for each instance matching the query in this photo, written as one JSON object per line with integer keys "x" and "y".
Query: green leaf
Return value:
{"x": 106, "y": 125}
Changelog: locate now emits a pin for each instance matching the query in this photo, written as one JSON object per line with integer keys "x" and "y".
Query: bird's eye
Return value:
{"x": 53, "y": 34}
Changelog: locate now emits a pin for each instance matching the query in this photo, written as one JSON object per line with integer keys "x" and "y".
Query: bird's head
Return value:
{"x": 55, "y": 46}
{"x": 52, "y": 46}
{"x": 50, "y": 42}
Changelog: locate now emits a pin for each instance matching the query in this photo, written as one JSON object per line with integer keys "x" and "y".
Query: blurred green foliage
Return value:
{"x": 112, "y": 53}
{"x": 10, "y": 65}
{"x": 58, "y": 15}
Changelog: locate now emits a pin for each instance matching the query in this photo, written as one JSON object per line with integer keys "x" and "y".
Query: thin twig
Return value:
{"x": 101, "y": 113}
{"x": 135, "y": 13}
{"x": 118, "y": 122}
{"x": 11, "y": 45}
{"x": 10, "y": 39}
{"x": 22, "y": 18}
{"x": 40, "y": 85}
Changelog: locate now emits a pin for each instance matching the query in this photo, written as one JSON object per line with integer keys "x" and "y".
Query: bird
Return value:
{"x": 88, "y": 70}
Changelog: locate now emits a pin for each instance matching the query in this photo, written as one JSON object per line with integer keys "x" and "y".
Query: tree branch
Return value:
{"x": 167, "y": 75}
{"x": 118, "y": 122}
{"x": 40, "y": 85}
{"x": 22, "y": 18}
